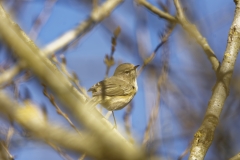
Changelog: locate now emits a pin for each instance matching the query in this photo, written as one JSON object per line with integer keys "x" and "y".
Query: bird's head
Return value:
{"x": 126, "y": 71}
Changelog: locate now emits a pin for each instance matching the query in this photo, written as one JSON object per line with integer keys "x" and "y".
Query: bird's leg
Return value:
{"x": 115, "y": 123}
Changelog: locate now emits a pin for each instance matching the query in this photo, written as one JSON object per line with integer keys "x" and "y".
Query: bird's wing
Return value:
{"x": 112, "y": 87}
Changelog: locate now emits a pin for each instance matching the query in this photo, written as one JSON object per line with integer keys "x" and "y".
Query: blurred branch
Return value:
{"x": 163, "y": 40}
{"x": 9, "y": 136}
{"x": 96, "y": 17}
{"x": 94, "y": 4}
{"x": 193, "y": 31}
{"x": 155, "y": 111}
{"x": 60, "y": 151}
{"x": 4, "y": 152}
{"x": 42, "y": 18}
{"x": 153, "y": 116}
{"x": 236, "y": 157}
{"x": 9, "y": 74}
{"x": 125, "y": 38}
{"x": 204, "y": 136}
{"x": 188, "y": 27}
{"x": 82, "y": 157}
{"x": 185, "y": 152}
{"x": 157, "y": 11}
{"x": 109, "y": 60}
{"x": 71, "y": 76}
{"x": 31, "y": 118}
{"x": 41, "y": 66}
{"x": 58, "y": 110}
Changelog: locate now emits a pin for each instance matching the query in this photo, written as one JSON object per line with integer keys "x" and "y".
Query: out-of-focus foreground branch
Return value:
{"x": 236, "y": 157}
{"x": 8, "y": 75}
{"x": 187, "y": 26}
{"x": 97, "y": 15}
{"x": 42, "y": 67}
{"x": 204, "y": 136}
{"x": 30, "y": 117}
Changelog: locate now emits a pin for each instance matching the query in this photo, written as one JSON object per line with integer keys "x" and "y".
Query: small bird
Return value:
{"x": 115, "y": 92}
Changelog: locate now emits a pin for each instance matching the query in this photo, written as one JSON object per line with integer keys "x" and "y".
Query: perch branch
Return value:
{"x": 27, "y": 51}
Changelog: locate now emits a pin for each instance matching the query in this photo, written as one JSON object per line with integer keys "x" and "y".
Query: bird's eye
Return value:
{"x": 127, "y": 72}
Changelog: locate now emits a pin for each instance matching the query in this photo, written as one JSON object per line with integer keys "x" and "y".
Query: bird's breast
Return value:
{"x": 116, "y": 102}
{"x": 135, "y": 85}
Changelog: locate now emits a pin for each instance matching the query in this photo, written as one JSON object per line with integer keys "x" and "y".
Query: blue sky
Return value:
{"x": 213, "y": 19}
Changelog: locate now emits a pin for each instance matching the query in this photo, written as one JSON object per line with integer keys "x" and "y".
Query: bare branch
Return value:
{"x": 188, "y": 27}
{"x": 96, "y": 17}
{"x": 31, "y": 118}
{"x": 193, "y": 31}
{"x": 157, "y": 11}
{"x": 9, "y": 135}
{"x": 153, "y": 116}
{"x": 58, "y": 110}
{"x": 26, "y": 50}
{"x": 82, "y": 157}
{"x": 71, "y": 77}
{"x": 152, "y": 56}
{"x": 236, "y": 157}
{"x": 109, "y": 60}
{"x": 204, "y": 136}
{"x": 8, "y": 75}
{"x": 185, "y": 152}
{"x": 60, "y": 151}
{"x": 4, "y": 152}
{"x": 42, "y": 18}
{"x": 155, "y": 111}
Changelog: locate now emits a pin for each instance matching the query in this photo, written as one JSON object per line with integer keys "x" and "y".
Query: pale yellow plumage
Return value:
{"x": 116, "y": 92}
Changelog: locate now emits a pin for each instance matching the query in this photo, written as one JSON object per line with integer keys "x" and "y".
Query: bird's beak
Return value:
{"x": 135, "y": 67}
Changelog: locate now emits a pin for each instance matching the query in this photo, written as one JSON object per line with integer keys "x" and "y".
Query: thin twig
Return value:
{"x": 7, "y": 76}
{"x": 109, "y": 60}
{"x": 152, "y": 56}
{"x": 71, "y": 76}
{"x": 193, "y": 31}
{"x": 60, "y": 151}
{"x": 42, "y": 18}
{"x": 152, "y": 118}
{"x": 185, "y": 152}
{"x": 9, "y": 136}
{"x": 161, "y": 82}
{"x": 59, "y": 111}
{"x": 82, "y": 157}
{"x": 157, "y": 11}
{"x": 4, "y": 152}
{"x": 97, "y": 15}
{"x": 188, "y": 27}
